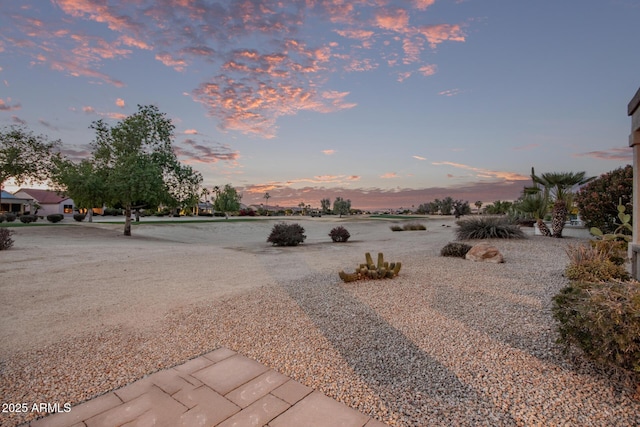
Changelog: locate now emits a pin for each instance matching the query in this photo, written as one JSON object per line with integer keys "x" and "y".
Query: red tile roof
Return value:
{"x": 44, "y": 196}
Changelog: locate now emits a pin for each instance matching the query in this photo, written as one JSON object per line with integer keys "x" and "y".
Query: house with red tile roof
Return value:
{"x": 49, "y": 202}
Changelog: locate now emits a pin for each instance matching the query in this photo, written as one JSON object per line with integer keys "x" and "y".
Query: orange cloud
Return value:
{"x": 120, "y": 102}
{"x": 5, "y": 106}
{"x": 190, "y": 132}
{"x": 328, "y": 152}
{"x": 389, "y": 175}
{"x": 419, "y": 157}
{"x": 395, "y": 20}
{"x": 486, "y": 173}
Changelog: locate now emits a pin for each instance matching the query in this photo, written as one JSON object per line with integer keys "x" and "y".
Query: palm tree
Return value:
{"x": 478, "y": 205}
{"x": 267, "y": 196}
{"x": 560, "y": 185}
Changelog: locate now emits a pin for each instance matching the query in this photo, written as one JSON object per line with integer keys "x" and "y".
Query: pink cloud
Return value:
{"x": 190, "y": 132}
{"x": 623, "y": 154}
{"x": 280, "y": 70}
{"x": 395, "y": 20}
{"x": 450, "y": 92}
{"x": 419, "y": 157}
{"x": 436, "y": 34}
{"x": 6, "y": 106}
{"x": 120, "y": 102}
{"x": 328, "y": 152}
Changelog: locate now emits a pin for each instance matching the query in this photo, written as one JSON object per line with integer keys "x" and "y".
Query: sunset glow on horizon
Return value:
{"x": 387, "y": 103}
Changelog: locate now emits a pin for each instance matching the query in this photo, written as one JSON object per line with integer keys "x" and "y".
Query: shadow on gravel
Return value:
{"x": 396, "y": 369}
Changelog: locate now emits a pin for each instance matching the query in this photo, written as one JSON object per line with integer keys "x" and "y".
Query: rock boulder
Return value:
{"x": 484, "y": 252}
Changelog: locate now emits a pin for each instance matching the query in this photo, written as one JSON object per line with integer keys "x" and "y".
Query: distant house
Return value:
{"x": 48, "y": 202}
{"x": 11, "y": 203}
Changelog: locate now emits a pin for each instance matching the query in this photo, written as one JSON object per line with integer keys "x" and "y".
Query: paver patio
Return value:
{"x": 221, "y": 388}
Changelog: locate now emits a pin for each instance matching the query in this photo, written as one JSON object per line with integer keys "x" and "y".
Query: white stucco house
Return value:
{"x": 49, "y": 201}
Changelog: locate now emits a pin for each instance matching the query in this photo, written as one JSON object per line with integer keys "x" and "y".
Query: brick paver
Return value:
{"x": 219, "y": 389}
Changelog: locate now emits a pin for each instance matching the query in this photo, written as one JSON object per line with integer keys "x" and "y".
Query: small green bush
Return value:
{"x": 284, "y": 234}
{"x": 5, "y": 238}
{"x": 79, "y": 217}
{"x": 2, "y": 218}
{"x": 55, "y": 218}
{"x": 455, "y": 249}
{"x": 339, "y": 234}
{"x": 602, "y": 319}
{"x": 26, "y": 219}
{"x": 396, "y": 228}
{"x": 488, "y": 227}
{"x": 10, "y": 217}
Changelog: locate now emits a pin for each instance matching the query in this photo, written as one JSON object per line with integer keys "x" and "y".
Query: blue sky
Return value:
{"x": 387, "y": 103}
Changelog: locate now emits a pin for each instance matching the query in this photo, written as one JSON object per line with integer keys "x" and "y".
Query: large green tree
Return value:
{"x": 137, "y": 164}
{"x": 341, "y": 206}
{"x": 227, "y": 199}
{"x": 25, "y": 157}
{"x": 83, "y": 182}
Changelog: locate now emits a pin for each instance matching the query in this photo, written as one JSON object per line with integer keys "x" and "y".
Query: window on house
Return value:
{"x": 68, "y": 208}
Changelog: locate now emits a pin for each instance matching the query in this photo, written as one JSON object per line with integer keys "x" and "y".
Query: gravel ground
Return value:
{"x": 448, "y": 342}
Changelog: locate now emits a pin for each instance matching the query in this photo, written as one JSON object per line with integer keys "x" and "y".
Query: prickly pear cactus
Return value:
{"x": 369, "y": 270}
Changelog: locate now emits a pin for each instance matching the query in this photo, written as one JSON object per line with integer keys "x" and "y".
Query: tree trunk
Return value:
{"x": 90, "y": 213}
{"x": 127, "y": 221}
{"x": 559, "y": 215}
{"x": 543, "y": 228}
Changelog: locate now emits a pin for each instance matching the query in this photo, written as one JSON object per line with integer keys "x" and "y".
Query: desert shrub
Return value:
{"x": 598, "y": 200}
{"x": 284, "y": 234}
{"x": 488, "y": 227}
{"x": 10, "y": 217}
{"x": 26, "y": 219}
{"x": 339, "y": 234}
{"x": 602, "y": 320}
{"x": 616, "y": 250}
{"x": 79, "y": 217}
{"x": 55, "y": 218}
{"x": 5, "y": 238}
{"x": 396, "y": 228}
{"x": 455, "y": 249}
{"x": 414, "y": 226}
{"x": 593, "y": 264}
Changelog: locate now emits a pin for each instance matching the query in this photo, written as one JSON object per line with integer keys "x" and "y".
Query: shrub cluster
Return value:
{"x": 247, "y": 212}
{"x": 408, "y": 227}
{"x": 2, "y": 218}
{"x": 602, "y": 319}
{"x": 55, "y": 217}
{"x": 10, "y": 217}
{"x": 488, "y": 227}
{"x": 594, "y": 263}
{"x": 79, "y": 217}
{"x": 455, "y": 249}
{"x": 598, "y": 311}
{"x": 284, "y": 234}
{"x": 26, "y": 219}
{"x": 339, "y": 234}
{"x": 5, "y": 238}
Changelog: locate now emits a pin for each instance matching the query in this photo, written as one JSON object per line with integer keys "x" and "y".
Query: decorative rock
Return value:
{"x": 484, "y": 252}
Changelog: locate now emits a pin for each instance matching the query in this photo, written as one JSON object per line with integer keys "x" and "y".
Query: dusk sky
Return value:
{"x": 387, "y": 103}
